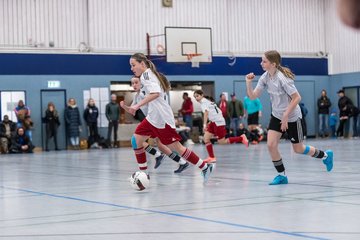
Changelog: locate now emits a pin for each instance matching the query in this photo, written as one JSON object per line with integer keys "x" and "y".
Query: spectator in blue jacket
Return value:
{"x": 73, "y": 121}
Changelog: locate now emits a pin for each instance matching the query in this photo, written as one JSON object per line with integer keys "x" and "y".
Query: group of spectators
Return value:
{"x": 333, "y": 124}
{"x": 16, "y": 137}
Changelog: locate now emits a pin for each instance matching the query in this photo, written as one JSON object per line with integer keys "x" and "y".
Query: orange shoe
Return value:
{"x": 245, "y": 141}
{"x": 210, "y": 160}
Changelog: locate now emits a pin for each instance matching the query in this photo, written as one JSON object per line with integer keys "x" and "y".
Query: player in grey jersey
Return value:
{"x": 286, "y": 114}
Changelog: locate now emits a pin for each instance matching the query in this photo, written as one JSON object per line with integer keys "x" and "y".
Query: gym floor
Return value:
{"x": 86, "y": 195}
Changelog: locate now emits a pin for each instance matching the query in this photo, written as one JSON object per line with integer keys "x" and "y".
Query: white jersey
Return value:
{"x": 214, "y": 113}
{"x": 159, "y": 110}
{"x": 137, "y": 98}
{"x": 280, "y": 89}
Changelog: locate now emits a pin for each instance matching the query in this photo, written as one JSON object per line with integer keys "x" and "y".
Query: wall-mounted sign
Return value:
{"x": 53, "y": 84}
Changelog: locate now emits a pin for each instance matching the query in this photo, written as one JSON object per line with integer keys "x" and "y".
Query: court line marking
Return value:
{"x": 293, "y": 234}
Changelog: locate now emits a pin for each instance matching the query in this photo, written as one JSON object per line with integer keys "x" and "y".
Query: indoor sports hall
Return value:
{"x": 179, "y": 119}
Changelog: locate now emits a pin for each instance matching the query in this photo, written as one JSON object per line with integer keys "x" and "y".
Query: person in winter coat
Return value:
{"x": 324, "y": 105}
{"x": 21, "y": 143}
{"x": 91, "y": 115}
{"x": 52, "y": 122}
{"x": 73, "y": 123}
{"x": 113, "y": 116}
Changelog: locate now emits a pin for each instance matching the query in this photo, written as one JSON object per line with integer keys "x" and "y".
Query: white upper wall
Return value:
{"x": 239, "y": 27}
{"x": 342, "y": 43}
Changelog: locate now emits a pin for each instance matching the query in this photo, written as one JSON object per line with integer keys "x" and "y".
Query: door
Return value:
{"x": 58, "y": 97}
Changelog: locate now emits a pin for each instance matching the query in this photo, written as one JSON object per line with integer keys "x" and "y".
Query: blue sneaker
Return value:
{"x": 207, "y": 171}
{"x": 279, "y": 179}
{"x": 329, "y": 162}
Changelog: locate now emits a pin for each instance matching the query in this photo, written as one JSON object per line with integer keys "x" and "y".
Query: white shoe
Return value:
{"x": 190, "y": 142}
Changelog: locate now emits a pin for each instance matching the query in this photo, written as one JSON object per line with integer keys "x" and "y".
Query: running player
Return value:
{"x": 143, "y": 111}
{"x": 286, "y": 114}
{"x": 215, "y": 127}
{"x": 160, "y": 121}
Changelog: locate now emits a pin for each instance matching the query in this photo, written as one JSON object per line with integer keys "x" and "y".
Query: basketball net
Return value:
{"x": 193, "y": 58}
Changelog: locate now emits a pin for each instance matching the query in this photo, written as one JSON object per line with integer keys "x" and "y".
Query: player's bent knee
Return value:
{"x": 133, "y": 142}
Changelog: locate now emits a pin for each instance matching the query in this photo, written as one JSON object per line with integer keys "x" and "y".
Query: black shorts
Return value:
{"x": 294, "y": 131}
{"x": 253, "y": 119}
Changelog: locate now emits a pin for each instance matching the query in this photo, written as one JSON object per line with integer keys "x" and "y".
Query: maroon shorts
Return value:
{"x": 218, "y": 131}
{"x": 166, "y": 135}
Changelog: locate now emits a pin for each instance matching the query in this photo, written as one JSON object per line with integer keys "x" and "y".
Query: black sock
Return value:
{"x": 150, "y": 150}
{"x": 279, "y": 166}
{"x": 175, "y": 157}
{"x": 318, "y": 153}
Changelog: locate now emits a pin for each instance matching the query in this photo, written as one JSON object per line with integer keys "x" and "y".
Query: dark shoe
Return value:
{"x": 159, "y": 160}
{"x": 56, "y": 149}
{"x": 46, "y": 150}
{"x": 182, "y": 168}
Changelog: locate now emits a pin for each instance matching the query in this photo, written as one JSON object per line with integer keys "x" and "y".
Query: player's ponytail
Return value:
{"x": 164, "y": 83}
{"x": 274, "y": 57}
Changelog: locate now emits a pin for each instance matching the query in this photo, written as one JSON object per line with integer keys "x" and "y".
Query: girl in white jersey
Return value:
{"x": 215, "y": 127}
{"x": 286, "y": 114}
{"x": 159, "y": 157}
{"x": 160, "y": 121}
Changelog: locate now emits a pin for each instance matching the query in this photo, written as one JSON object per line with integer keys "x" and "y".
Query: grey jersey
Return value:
{"x": 280, "y": 89}
{"x": 137, "y": 98}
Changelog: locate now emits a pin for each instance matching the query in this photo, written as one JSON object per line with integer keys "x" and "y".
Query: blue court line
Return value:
{"x": 293, "y": 234}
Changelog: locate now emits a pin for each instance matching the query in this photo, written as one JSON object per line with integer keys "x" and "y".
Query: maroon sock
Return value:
{"x": 210, "y": 149}
{"x": 141, "y": 158}
{"x": 193, "y": 158}
{"x": 235, "y": 139}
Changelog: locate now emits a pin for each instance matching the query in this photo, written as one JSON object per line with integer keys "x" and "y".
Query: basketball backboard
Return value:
{"x": 182, "y": 41}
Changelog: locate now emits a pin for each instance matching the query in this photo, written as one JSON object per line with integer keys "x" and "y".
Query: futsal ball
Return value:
{"x": 139, "y": 181}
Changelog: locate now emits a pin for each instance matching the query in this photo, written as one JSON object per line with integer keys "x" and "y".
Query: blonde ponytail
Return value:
{"x": 287, "y": 72}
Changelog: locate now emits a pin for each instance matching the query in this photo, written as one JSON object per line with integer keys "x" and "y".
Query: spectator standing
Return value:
{"x": 73, "y": 122}
{"x": 186, "y": 110}
{"x": 91, "y": 115}
{"x": 22, "y": 113}
{"x": 52, "y": 123}
{"x": 324, "y": 105}
{"x": 304, "y": 112}
{"x": 113, "y": 116}
{"x": 344, "y": 104}
{"x": 223, "y": 105}
{"x": 235, "y": 112}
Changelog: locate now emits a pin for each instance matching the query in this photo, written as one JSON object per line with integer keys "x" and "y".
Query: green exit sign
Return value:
{"x": 53, "y": 84}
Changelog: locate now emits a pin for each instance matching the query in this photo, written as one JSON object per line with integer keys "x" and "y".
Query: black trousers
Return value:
{"x": 49, "y": 135}
{"x": 114, "y": 124}
{"x": 340, "y": 130}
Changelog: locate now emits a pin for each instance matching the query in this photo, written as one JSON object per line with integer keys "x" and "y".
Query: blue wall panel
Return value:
{"x": 90, "y": 64}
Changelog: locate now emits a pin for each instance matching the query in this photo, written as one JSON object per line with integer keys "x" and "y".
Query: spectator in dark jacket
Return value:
{"x": 324, "y": 105}
{"x": 52, "y": 122}
{"x": 113, "y": 115}
{"x": 21, "y": 143}
{"x": 7, "y": 131}
{"x": 91, "y": 115}
{"x": 235, "y": 112}
{"x": 304, "y": 112}
{"x": 344, "y": 104}
{"x": 73, "y": 122}
{"x": 354, "y": 113}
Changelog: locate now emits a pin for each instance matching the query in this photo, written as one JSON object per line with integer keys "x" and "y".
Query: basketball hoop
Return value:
{"x": 192, "y": 57}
